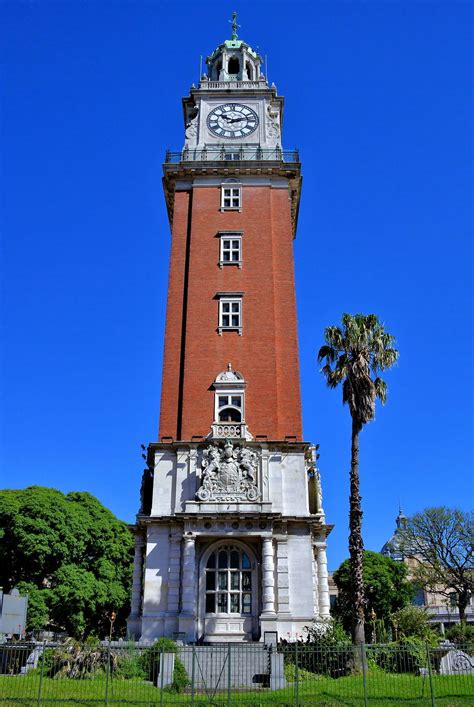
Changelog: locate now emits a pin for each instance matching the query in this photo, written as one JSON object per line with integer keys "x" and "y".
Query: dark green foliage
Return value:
{"x": 150, "y": 661}
{"x": 461, "y": 634}
{"x": 386, "y": 588}
{"x": 327, "y": 651}
{"x": 129, "y": 664}
{"x": 180, "y": 677}
{"x": 405, "y": 656}
{"x": 412, "y": 621}
{"x": 71, "y": 555}
{"x": 327, "y": 634}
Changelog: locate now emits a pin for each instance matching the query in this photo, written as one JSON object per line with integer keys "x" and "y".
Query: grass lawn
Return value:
{"x": 383, "y": 689}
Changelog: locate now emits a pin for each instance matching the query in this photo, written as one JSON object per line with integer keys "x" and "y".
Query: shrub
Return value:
{"x": 412, "y": 621}
{"x": 405, "y": 656}
{"x": 150, "y": 663}
{"x": 129, "y": 663}
{"x": 461, "y": 634}
{"x": 303, "y": 675}
{"x": 75, "y": 660}
{"x": 326, "y": 651}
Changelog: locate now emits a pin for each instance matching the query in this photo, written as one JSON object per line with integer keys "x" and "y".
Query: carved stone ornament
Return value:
{"x": 273, "y": 127}
{"x": 192, "y": 124}
{"x": 229, "y": 474}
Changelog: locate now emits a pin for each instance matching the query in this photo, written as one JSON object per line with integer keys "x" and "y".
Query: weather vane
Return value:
{"x": 235, "y": 26}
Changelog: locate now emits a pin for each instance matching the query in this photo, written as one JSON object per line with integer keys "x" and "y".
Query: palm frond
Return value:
{"x": 381, "y": 390}
{"x": 352, "y": 354}
{"x": 327, "y": 352}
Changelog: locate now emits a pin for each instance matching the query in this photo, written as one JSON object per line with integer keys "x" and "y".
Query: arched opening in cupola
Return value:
{"x": 249, "y": 69}
{"x": 233, "y": 66}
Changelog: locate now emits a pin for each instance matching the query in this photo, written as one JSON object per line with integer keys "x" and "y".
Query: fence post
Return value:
{"x": 161, "y": 677}
{"x": 192, "y": 676}
{"x": 363, "y": 658}
{"x": 430, "y": 675}
{"x": 107, "y": 671}
{"x": 229, "y": 676}
{"x": 41, "y": 675}
{"x": 297, "y": 690}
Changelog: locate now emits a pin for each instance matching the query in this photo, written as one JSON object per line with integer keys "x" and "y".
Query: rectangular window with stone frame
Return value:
{"x": 230, "y": 314}
{"x": 231, "y": 197}
{"x": 230, "y": 249}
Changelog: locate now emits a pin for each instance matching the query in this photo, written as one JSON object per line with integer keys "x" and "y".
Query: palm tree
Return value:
{"x": 354, "y": 354}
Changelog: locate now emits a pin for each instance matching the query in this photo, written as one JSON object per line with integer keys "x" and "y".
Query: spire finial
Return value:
{"x": 235, "y": 26}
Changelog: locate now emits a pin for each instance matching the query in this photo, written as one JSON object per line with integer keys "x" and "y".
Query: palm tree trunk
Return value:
{"x": 356, "y": 545}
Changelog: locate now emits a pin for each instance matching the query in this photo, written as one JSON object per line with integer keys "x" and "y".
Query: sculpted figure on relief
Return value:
{"x": 229, "y": 474}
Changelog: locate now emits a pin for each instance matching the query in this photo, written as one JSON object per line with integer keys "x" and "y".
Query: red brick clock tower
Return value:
{"x": 231, "y": 534}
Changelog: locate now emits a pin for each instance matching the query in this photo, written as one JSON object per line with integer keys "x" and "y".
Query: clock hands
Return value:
{"x": 234, "y": 120}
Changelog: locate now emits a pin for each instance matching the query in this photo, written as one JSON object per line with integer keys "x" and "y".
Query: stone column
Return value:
{"x": 188, "y": 597}
{"x": 268, "y": 566}
{"x": 187, "y": 617}
{"x": 134, "y": 620}
{"x": 323, "y": 586}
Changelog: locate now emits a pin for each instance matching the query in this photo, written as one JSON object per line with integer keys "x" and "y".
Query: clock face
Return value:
{"x": 232, "y": 120}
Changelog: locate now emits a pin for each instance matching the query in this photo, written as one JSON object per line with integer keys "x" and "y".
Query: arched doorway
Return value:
{"x": 228, "y": 592}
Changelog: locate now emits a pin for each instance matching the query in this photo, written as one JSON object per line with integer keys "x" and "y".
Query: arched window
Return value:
{"x": 229, "y": 408}
{"x": 229, "y": 581}
{"x": 248, "y": 66}
{"x": 233, "y": 67}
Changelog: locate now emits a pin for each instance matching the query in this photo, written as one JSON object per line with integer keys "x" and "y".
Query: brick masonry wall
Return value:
{"x": 267, "y": 352}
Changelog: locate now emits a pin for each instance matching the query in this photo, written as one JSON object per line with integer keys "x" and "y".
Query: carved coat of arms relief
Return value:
{"x": 229, "y": 474}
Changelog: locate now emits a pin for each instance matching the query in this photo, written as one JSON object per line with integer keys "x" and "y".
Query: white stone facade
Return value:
{"x": 280, "y": 539}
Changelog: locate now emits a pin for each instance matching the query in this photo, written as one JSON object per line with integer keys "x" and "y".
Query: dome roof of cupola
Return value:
{"x": 234, "y": 44}
{"x": 234, "y": 59}
{"x": 392, "y": 547}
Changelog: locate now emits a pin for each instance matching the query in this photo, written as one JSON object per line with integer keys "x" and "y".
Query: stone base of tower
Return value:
{"x": 230, "y": 569}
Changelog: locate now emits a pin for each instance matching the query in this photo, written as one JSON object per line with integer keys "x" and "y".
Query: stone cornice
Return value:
{"x": 190, "y": 169}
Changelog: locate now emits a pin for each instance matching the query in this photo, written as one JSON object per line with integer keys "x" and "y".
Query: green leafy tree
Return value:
{"x": 386, "y": 588}
{"x": 413, "y": 621}
{"x": 70, "y": 554}
{"x": 353, "y": 355}
{"x": 442, "y": 541}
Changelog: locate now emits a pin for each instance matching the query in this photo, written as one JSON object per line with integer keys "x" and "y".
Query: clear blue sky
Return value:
{"x": 378, "y": 101}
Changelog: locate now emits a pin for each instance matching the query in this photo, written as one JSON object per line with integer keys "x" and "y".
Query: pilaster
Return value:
{"x": 283, "y": 586}
{"x": 187, "y": 617}
{"x": 134, "y": 620}
{"x": 268, "y": 564}
{"x": 323, "y": 586}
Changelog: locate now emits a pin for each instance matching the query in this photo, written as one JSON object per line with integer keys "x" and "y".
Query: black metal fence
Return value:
{"x": 247, "y": 153}
{"x": 235, "y": 674}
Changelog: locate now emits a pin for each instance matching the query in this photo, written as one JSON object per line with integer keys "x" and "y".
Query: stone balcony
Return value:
{"x": 230, "y": 430}
{"x": 245, "y": 153}
{"x": 233, "y": 84}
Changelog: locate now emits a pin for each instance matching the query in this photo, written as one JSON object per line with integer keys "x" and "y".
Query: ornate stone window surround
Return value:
{"x": 231, "y": 195}
{"x": 230, "y": 311}
{"x": 230, "y": 244}
{"x": 229, "y": 384}
{"x": 242, "y": 548}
